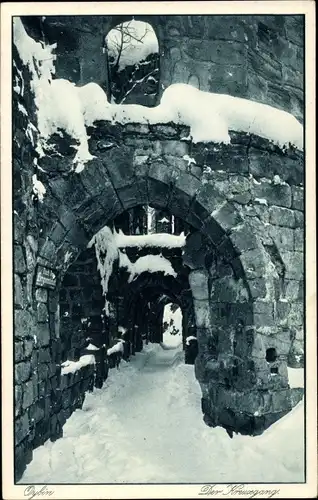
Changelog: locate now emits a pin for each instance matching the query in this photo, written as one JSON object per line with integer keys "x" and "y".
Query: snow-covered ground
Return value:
{"x": 174, "y": 320}
{"x": 145, "y": 426}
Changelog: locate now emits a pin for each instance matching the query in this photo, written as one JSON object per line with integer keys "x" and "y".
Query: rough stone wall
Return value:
{"x": 267, "y": 189}
{"x": 44, "y": 398}
{"x": 81, "y": 303}
{"x": 255, "y": 57}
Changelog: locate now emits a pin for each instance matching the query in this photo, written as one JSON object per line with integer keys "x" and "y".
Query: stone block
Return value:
{"x": 30, "y": 253}
{"x": 282, "y": 311}
{"x": 48, "y": 251}
{"x": 43, "y": 372}
{"x": 228, "y": 250}
{"x": 57, "y": 234}
{"x": 227, "y": 216}
{"x": 22, "y": 372}
{"x": 22, "y": 427}
{"x": 36, "y": 412}
{"x": 279, "y": 194}
{"x": 23, "y": 324}
{"x": 299, "y": 219}
{"x": 280, "y": 216}
{"x": 253, "y": 264}
{"x": 175, "y": 148}
{"x": 34, "y": 359}
{"x": 239, "y": 189}
{"x": 70, "y": 191}
{"x": 18, "y": 292}
{"x": 198, "y": 280}
{"x": 202, "y": 313}
{"x": 296, "y": 314}
{"x": 53, "y": 301}
{"x": 195, "y": 251}
{"x": 294, "y": 263}
{"x": 43, "y": 334}
{"x": 292, "y": 290}
{"x": 283, "y": 237}
{"x": 225, "y": 289}
{"x": 28, "y": 394}
{"x": 243, "y": 238}
{"x": 119, "y": 164}
{"x": 42, "y": 313}
{"x": 41, "y": 295}
{"x": 44, "y": 355}
{"x": 18, "y": 399}
{"x": 133, "y": 195}
{"x": 19, "y": 260}
{"x": 298, "y": 197}
{"x": 257, "y": 288}
{"x": 28, "y": 347}
{"x": 299, "y": 240}
{"x": 263, "y": 314}
{"x": 18, "y": 352}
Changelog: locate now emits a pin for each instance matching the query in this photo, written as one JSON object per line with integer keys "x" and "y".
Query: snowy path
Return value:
{"x": 145, "y": 426}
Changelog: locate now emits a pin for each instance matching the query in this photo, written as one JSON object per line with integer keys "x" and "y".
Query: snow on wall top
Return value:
{"x": 148, "y": 263}
{"x": 163, "y": 240}
{"x": 210, "y": 116}
{"x": 73, "y": 366}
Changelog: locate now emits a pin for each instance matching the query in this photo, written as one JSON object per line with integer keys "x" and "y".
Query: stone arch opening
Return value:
{"x": 225, "y": 257}
{"x": 132, "y": 50}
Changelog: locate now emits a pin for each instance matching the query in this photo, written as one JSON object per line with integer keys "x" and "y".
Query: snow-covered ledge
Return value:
{"x": 63, "y": 106}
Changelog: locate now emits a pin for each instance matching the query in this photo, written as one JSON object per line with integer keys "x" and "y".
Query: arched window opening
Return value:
{"x": 145, "y": 219}
{"x": 133, "y": 61}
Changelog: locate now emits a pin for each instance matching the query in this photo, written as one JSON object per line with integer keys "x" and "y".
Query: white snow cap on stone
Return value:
{"x": 210, "y": 116}
{"x": 118, "y": 347}
{"x": 73, "y": 366}
{"x": 57, "y": 101}
{"x": 38, "y": 188}
{"x": 188, "y": 339}
{"x": 92, "y": 347}
{"x": 149, "y": 263}
{"x": 150, "y": 240}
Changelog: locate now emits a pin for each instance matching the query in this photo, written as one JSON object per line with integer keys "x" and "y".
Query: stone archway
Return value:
{"x": 233, "y": 277}
{"x": 245, "y": 254}
{"x": 234, "y": 374}
{"x": 151, "y": 288}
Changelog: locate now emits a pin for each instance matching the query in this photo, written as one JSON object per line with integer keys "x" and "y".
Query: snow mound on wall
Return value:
{"x": 148, "y": 263}
{"x": 118, "y": 347}
{"x": 57, "y": 101}
{"x": 209, "y": 116}
{"x": 73, "y": 366}
{"x": 62, "y": 105}
{"x": 164, "y": 240}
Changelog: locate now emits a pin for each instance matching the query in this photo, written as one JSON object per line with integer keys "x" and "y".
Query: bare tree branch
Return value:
{"x": 137, "y": 82}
